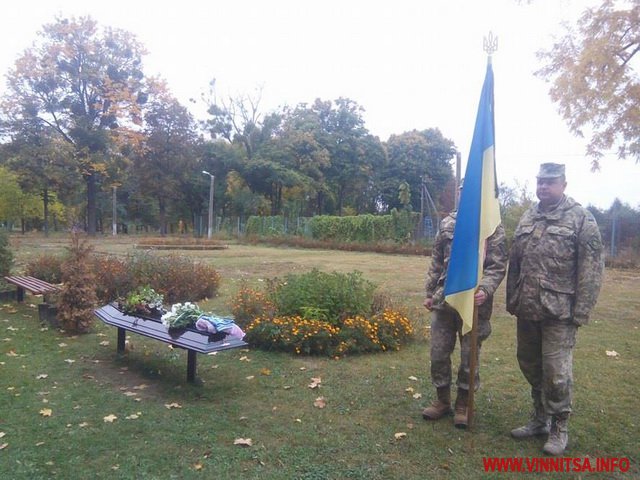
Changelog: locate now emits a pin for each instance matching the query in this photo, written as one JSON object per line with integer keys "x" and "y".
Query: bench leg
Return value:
{"x": 20, "y": 295}
{"x": 122, "y": 334}
{"x": 191, "y": 366}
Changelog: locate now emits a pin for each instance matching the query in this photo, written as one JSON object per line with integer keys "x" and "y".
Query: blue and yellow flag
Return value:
{"x": 478, "y": 211}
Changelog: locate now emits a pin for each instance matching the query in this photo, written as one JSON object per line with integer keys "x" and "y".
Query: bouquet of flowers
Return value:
{"x": 143, "y": 301}
{"x": 182, "y": 315}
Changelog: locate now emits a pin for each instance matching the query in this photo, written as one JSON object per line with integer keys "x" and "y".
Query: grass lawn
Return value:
{"x": 60, "y": 394}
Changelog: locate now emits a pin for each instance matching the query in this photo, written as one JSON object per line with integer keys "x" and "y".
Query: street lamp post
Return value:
{"x": 210, "y": 226}
{"x": 114, "y": 224}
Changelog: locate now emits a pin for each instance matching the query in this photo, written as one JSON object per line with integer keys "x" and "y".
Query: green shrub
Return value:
{"x": 397, "y": 227}
{"x": 318, "y": 313}
{"x": 46, "y": 267}
{"x": 333, "y": 296}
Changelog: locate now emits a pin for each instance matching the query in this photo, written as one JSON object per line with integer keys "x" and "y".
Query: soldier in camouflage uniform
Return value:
{"x": 555, "y": 273}
{"x": 446, "y": 324}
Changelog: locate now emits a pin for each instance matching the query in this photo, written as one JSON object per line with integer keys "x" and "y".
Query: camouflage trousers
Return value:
{"x": 545, "y": 355}
{"x": 445, "y": 328}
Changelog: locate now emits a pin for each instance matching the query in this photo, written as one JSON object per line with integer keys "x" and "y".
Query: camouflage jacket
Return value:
{"x": 494, "y": 267}
{"x": 555, "y": 265}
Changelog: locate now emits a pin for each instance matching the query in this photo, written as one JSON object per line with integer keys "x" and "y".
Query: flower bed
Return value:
{"x": 316, "y": 327}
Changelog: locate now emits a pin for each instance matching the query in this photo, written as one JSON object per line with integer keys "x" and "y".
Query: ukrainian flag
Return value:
{"x": 478, "y": 211}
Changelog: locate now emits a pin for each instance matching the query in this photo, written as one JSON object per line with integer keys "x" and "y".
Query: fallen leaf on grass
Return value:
{"x": 41, "y": 376}
{"x": 315, "y": 382}
{"x": 46, "y": 412}
{"x": 104, "y": 343}
{"x": 417, "y": 395}
{"x": 243, "y": 442}
{"x": 83, "y": 424}
{"x": 409, "y": 389}
{"x": 250, "y": 377}
{"x": 110, "y": 418}
{"x": 320, "y": 402}
{"x": 142, "y": 386}
{"x": 399, "y": 435}
{"x": 62, "y": 345}
{"x": 197, "y": 466}
{"x": 172, "y": 405}
{"x": 130, "y": 394}
{"x": 412, "y": 378}
{"x": 12, "y": 353}
{"x": 265, "y": 371}
{"x": 13, "y": 329}
{"x": 133, "y": 416}
{"x": 69, "y": 361}
{"x": 3, "y": 446}
{"x": 2, "y": 434}
{"x": 244, "y": 358}
{"x": 39, "y": 444}
{"x": 612, "y": 353}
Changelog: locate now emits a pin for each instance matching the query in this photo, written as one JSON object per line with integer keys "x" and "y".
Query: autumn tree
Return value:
{"x": 77, "y": 298}
{"x": 594, "y": 78}
{"x": 84, "y": 84}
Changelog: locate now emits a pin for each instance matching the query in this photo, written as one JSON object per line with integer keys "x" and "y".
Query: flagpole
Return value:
{"x": 473, "y": 366}
{"x": 490, "y": 46}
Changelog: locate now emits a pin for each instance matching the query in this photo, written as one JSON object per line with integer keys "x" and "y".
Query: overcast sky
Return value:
{"x": 411, "y": 64}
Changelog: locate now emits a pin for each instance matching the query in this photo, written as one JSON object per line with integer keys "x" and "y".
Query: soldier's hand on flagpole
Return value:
{"x": 479, "y": 297}
{"x": 428, "y": 303}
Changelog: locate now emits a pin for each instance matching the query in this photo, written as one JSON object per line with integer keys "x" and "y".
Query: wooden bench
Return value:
{"x": 30, "y": 284}
{"x": 194, "y": 341}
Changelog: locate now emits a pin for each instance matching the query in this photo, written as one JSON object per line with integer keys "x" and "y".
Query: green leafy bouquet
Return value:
{"x": 182, "y": 315}
{"x": 143, "y": 301}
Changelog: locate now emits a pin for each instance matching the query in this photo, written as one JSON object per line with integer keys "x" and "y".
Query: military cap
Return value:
{"x": 551, "y": 170}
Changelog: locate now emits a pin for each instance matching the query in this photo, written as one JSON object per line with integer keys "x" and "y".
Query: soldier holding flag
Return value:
{"x": 446, "y": 324}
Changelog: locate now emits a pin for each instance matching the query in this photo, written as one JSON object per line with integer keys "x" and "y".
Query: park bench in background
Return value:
{"x": 35, "y": 286}
{"x": 190, "y": 339}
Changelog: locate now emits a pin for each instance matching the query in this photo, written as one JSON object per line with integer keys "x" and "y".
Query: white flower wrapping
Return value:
{"x": 182, "y": 315}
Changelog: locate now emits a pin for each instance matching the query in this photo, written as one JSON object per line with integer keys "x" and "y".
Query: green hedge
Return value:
{"x": 396, "y": 227}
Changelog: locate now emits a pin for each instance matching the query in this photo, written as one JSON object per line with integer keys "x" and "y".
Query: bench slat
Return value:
{"x": 32, "y": 284}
